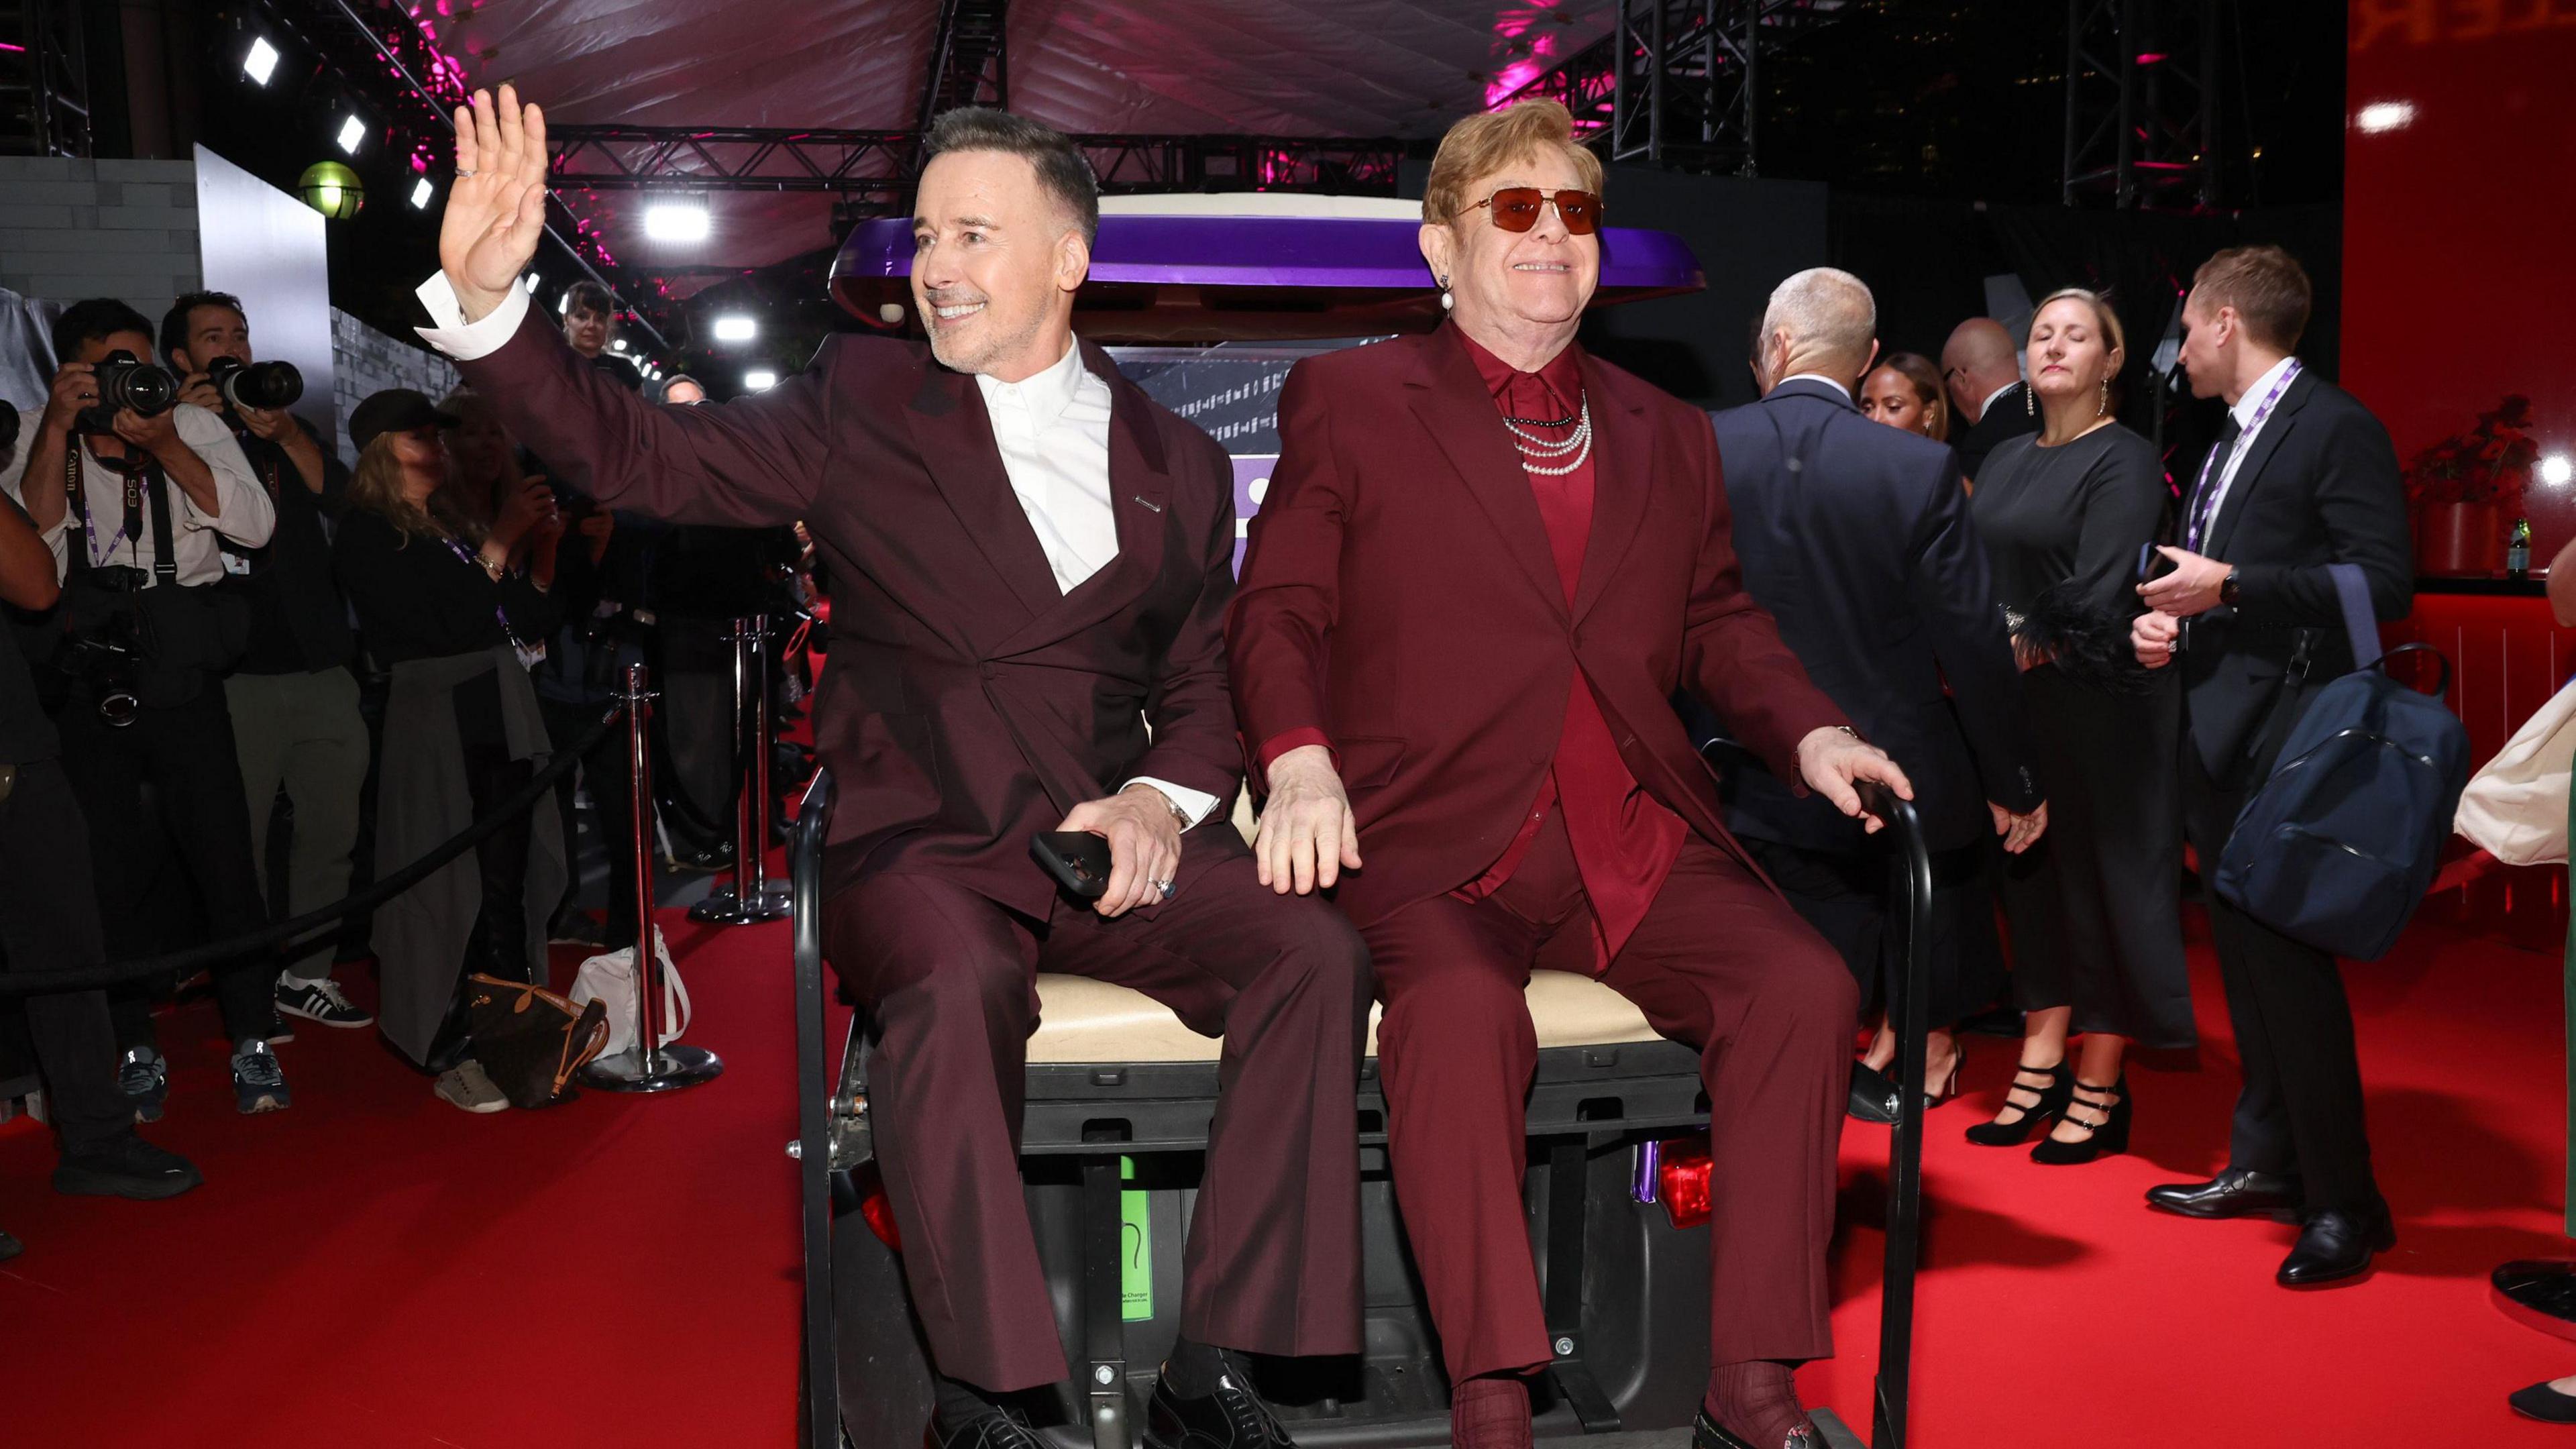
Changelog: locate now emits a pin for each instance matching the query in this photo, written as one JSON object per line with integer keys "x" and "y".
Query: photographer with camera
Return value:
{"x": 49, "y": 917}
{"x": 133, "y": 490}
{"x": 294, "y": 702}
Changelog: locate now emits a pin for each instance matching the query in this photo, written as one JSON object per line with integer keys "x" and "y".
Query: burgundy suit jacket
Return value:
{"x": 969, "y": 704}
{"x": 1399, "y": 596}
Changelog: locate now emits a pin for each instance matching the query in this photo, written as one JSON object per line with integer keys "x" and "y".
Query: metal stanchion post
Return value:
{"x": 750, "y": 899}
{"x": 647, "y": 1067}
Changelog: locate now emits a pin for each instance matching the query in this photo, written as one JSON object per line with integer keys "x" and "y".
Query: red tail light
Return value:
{"x": 877, "y": 1210}
{"x": 1683, "y": 1178}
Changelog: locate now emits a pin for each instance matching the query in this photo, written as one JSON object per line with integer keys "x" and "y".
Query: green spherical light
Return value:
{"x": 332, "y": 189}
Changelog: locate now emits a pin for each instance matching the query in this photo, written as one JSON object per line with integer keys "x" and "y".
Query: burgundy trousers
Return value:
{"x": 1719, "y": 963}
{"x": 1272, "y": 1264}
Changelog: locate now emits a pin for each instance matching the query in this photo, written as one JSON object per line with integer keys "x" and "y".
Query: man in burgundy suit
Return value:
{"x": 1033, "y": 562}
{"x": 1485, "y": 564}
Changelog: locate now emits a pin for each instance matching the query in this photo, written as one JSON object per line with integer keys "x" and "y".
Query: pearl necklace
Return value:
{"x": 1538, "y": 454}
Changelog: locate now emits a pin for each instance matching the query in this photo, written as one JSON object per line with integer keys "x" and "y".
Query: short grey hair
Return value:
{"x": 1063, "y": 171}
{"x": 1824, "y": 310}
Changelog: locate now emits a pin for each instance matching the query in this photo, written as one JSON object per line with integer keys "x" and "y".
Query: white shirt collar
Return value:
{"x": 1045, "y": 394}
{"x": 1842, "y": 388}
{"x": 2253, "y": 399}
{"x": 1988, "y": 405}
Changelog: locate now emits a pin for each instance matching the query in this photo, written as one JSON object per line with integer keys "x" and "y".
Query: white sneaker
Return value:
{"x": 465, "y": 1086}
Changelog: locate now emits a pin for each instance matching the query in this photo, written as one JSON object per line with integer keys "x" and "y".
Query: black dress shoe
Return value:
{"x": 1230, "y": 1417}
{"x": 1000, "y": 1429}
{"x": 131, "y": 1168}
{"x": 2336, "y": 1244}
{"x": 1707, "y": 1433}
{"x": 2544, "y": 1403}
{"x": 2239, "y": 1192}
{"x": 10, "y": 1247}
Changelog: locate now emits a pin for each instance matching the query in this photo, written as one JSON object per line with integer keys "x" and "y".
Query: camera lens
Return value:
{"x": 258, "y": 384}
{"x": 124, "y": 384}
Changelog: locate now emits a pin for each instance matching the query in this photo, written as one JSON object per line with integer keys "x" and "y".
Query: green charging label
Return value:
{"x": 1136, "y": 1249}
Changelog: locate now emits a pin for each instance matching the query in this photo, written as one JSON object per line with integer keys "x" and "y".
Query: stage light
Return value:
{"x": 332, "y": 189}
{"x": 2557, "y": 470}
{"x": 421, "y": 192}
{"x": 352, "y": 132}
{"x": 736, "y": 328}
{"x": 261, "y": 63}
{"x": 677, "y": 221}
{"x": 2381, "y": 116}
{"x": 760, "y": 379}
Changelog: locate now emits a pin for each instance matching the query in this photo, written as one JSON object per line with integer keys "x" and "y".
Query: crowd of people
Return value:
{"x": 1965, "y": 582}
{"x": 220, "y": 630}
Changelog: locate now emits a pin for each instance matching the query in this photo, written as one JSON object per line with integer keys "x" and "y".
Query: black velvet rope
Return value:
{"x": 182, "y": 963}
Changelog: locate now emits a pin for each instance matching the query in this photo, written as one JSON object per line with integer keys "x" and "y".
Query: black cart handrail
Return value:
{"x": 815, "y": 1083}
{"x": 1910, "y": 898}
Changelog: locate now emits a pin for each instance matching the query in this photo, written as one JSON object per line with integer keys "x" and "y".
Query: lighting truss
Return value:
{"x": 969, "y": 59}
{"x": 2142, "y": 88}
{"x": 44, "y": 87}
{"x": 1677, "y": 82}
{"x": 875, "y": 170}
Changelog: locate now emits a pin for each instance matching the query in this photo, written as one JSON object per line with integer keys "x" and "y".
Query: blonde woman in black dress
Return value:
{"x": 2095, "y": 919}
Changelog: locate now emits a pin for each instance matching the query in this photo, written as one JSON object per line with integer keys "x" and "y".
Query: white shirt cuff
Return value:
{"x": 1193, "y": 804}
{"x": 462, "y": 340}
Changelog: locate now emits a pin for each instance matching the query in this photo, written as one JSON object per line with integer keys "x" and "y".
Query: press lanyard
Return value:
{"x": 78, "y": 489}
{"x": 530, "y": 655}
{"x": 2206, "y": 513}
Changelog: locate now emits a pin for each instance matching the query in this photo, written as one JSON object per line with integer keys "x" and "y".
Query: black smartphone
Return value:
{"x": 2152, "y": 565}
{"x": 1078, "y": 859}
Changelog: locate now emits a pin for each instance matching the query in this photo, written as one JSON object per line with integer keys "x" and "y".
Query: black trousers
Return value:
{"x": 696, "y": 719}
{"x": 497, "y": 945}
{"x": 49, "y": 923}
{"x": 1847, "y": 898}
{"x": 194, "y": 817}
{"x": 2300, "y": 1111}
{"x": 608, "y": 774}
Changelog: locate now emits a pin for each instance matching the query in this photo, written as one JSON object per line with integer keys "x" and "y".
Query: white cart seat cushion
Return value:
{"x": 1084, "y": 1021}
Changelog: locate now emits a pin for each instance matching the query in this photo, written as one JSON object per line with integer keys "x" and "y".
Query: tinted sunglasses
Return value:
{"x": 1517, "y": 208}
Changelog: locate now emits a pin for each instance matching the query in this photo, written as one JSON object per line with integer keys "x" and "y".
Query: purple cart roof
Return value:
{"x": 1201, "y": 276}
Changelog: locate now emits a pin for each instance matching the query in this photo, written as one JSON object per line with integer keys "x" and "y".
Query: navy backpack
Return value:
{"x": 2337, "y": 847}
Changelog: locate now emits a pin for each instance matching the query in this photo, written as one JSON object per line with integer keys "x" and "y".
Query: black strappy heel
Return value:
{"x": 2053, "y": 1097}
{"x": 2111, "y": 1134}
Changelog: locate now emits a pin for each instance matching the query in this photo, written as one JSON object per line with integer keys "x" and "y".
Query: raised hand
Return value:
{"x": 496, "y": 210}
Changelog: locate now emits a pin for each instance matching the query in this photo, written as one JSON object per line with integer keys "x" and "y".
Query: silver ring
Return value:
{"x": 464, "y": 171}
{"x": 1165, "y": 887}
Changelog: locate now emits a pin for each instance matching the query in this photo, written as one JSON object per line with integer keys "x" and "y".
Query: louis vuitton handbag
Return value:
{"x": 529, "y": 1040}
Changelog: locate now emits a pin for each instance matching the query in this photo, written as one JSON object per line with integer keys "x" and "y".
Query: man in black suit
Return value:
{"x": 2301, "y": 477}
{"x": 1856, "y": 537}
{"x": 1981, "y": 366}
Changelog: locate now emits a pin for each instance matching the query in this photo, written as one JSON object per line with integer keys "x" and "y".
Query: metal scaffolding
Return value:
{"x": 969, "y": 59}
{"x": 874, "y": 171}
{"x": 44, "y": 79}
{"x": 2142, "y": 89}
{"x": 1678, "y": 82}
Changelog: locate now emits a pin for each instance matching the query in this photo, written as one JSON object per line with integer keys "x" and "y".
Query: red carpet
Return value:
{"x": 376, "y": 1268}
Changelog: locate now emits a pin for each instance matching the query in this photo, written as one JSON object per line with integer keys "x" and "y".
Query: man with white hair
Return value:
{"x": 1856, "y": 537}
{"x": 1981, "y": 365}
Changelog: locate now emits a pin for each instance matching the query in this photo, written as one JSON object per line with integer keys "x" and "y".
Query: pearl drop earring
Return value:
{"x": 1446, "y": 301}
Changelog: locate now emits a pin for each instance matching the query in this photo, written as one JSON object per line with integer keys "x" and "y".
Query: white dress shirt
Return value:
{"x": 1052, "y": 429}
{"x": 2245, "y": 409}
{"x": 247, "y": 516}
{"x": 1841, "y": 387}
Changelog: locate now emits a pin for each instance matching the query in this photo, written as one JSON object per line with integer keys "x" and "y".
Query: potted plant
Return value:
{"x": 2467, "y": 489}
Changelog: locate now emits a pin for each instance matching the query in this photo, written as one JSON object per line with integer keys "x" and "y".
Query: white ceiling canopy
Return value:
{"x": 1403, "y": 68}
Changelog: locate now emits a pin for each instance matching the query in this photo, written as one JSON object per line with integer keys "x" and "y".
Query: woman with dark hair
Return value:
{"x": 451, "y": 606}
{"x": 1904, "y": 391}
{"x": 2096, "y": 925}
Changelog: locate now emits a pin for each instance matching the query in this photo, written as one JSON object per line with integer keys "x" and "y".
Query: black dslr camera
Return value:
{"x": 255, "y": 384}
{"x": 126, "y": 383}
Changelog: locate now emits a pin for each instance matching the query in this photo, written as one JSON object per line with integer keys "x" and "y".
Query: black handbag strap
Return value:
{"x": 156, "y": 493}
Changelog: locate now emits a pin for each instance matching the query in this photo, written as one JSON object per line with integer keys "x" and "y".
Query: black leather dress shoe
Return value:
{"x": 10, "y": 1247}
{"x": 1231, "y": 1417}
{"x": 2236, "y": 1193}
{"x": 1707, "y": 1433}
{"x": 2544, "y": 1403}
{"x": 2336, "y": 1244}
{"x": 1000, "y": 1429}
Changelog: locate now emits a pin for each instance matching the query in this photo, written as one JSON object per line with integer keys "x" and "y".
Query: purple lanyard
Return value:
{"x": 2210, "y": 470}
{"x": 499, "y": 616}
